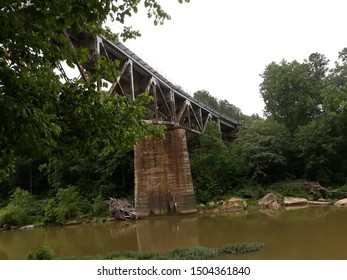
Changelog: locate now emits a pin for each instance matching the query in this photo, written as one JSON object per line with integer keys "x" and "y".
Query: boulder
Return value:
{"x": 235, "y": 203}
{"x": 294, "y": 201}
{"x": 28, "y": 227}
{"x": 341, "y": 202}
{"x": 269, "y": 201}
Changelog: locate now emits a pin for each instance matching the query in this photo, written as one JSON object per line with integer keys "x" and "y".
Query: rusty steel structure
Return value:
{"x": 163, "y": 182}
{"x": 171, "y": 105}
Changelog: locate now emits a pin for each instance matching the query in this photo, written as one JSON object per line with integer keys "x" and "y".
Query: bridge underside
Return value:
{"x": 163, "y": 181}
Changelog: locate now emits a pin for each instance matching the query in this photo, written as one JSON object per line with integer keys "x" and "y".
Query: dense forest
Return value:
{"x": 303, "y": 135}
{"x": 65, "y": 147}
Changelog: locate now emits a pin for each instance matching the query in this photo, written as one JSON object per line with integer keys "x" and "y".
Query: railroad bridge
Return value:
{"x": 163, "y": 181}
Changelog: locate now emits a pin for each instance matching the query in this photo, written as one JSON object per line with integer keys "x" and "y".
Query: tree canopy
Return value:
{"x": 43, "y": 117}
{"x": 309, "y": 98}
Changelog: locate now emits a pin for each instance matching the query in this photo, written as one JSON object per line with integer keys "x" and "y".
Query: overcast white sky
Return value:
{"x": 223, "y": 46}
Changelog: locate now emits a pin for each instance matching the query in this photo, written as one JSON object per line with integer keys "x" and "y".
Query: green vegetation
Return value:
{"x": 192, "y": 253}
{"x": 65, "y": 147}
{"x": 223, "y": 106}
{"x": 303, "y": 138}
{"x": 23, "y": 209}
{"x": 42, "y": 253}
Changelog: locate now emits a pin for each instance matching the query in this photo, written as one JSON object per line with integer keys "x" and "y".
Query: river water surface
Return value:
{"x": 310, "y": 233}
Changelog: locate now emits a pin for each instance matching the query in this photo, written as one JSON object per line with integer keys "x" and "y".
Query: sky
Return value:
{"x": 223, "y": 46}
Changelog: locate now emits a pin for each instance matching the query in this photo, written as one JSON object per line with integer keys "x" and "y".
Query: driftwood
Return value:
{"x": 121, "y": 209}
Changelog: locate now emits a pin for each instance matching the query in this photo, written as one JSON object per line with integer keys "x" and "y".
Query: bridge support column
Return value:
{"x": 163, "y": 181}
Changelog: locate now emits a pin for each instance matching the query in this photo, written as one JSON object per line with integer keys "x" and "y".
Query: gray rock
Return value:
{"x": 27, "y": 227}
{"x": 269, "y": 201}
{"x": 236, "y": 203}
{"x": 294, "y": 201}
{"x": 341, "y": 203}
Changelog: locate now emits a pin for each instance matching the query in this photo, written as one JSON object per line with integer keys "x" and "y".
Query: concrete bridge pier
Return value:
{"x": 163, "y": 181}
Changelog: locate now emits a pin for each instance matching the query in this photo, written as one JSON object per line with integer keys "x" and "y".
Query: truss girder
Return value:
{"x": 171, "y": 105}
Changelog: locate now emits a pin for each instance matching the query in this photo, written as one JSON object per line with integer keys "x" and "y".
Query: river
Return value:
{"x": 310, "y": 233}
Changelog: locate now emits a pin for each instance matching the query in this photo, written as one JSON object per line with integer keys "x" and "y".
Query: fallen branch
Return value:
{"x": 121, "y": 209}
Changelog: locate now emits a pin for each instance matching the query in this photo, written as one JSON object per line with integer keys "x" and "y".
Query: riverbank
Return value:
{"x": 68, "y": 209}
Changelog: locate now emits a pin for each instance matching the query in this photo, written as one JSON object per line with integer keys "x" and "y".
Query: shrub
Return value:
{"x": 240, "y": 248}
{"x": 21, "y": 210}
{"x": 194, "y": 253}
{"x": 99, "y": 206}
{"x": 337, "y": 193}
{"x": 50, "y": 212}
{"x": 68, "y": 204}
{"x": 43, "y": 253}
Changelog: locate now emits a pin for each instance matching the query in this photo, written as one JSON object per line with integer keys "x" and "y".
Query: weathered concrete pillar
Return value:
{"x": 163, "y": 181}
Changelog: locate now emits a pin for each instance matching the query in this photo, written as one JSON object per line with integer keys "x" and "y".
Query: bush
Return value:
{"x": 337, "y": 193}
{"x": 50, "y": 212}
{"x": 43, "y": 253}
{"x": 65, "y": 205}
{"x": 99, "y": 207}
{"x": 21, "y": 210}
{"x": 254, "y": 192}
{"x": 194, "y": 253}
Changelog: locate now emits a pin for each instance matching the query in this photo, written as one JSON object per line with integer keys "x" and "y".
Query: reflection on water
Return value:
{"x": 311, "y": 233}
{"x": 161, "y": 235}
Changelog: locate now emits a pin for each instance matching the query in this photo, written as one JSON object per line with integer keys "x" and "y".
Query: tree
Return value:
{"x": 291, "y": 90}
{"x": 322, "y": 148}
{"x": 264, "y": 145}
{"x": 217, "y": 170}
{"x": 41, "y": 116}
{"x": 230, "y": 110}
{"x": 206, "y": 98}
{"x": 322, "y": 142}
{"x": 221, "y": 106}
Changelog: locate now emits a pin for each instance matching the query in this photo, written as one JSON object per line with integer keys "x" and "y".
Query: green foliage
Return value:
{"x": 264, "y": 145}
{"x": 337, "y": 192}
{"x": 43, "y": 253}
{"x": 291, "y": 90}
{"x": 50, "y": 212}
{"x": 211, "y": 171}
{"x": 45, "y": 118}
{"x": 194, "y": 253}
{"x": 240, "y": 248}
{"x": 292, "y": 188}
{"x": 189, "y": 253}
{"x": 252, "y": 192}
{"x": 99, "y": 206}
{"x": 311, "y": 100}
{"x": 221, "y": 106}
{"x": 21, "y": 210}
{"x": 67, "y": 204}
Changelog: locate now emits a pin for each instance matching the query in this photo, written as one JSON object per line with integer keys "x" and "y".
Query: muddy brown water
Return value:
{"x": 310, "y": 233}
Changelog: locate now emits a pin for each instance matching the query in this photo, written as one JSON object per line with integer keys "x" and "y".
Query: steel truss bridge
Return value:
{"x": 171, "y": 105}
